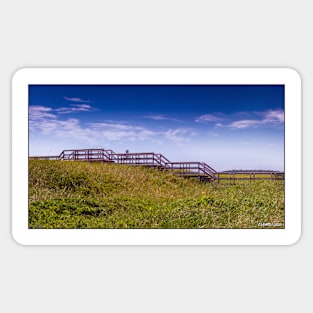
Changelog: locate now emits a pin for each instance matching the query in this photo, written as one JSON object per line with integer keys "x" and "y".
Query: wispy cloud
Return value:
{"x": 74, "y": 108}
{"x": 62, "y": 129}
{"x": 268, "y": 118}
{"x": 76, "y": 100}
{"x": 37, "y": 112}
{"x": 41, "y": 121}
{"x": 160, "y": 117}
{"x": 180, "y": 135}
{"x": 116, "y": 131}
{"x": 274, "y": 117}
{"x": 245, "y": 124}
{"x": 216, "y": 117}
{"x": 39, "y": 115}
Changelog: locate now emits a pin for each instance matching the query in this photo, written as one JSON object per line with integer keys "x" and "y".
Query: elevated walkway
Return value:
{"x": 200, "y": 170}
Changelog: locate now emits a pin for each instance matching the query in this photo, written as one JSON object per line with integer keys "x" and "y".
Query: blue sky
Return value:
{"x": 226, "y": 126}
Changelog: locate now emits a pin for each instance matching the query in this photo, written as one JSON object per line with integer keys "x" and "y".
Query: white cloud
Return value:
{"x": 245, "y": 124}
{"x": 41, "y": 121}
{"x": 269, "y": 118}
{"x": 210, "y": 118}
{"x": 39, "y": 112}
{"x": 74, "y": 108}
{"x": 273, "y": 116}
{"x": 156, "y": 117}
{"x": 117, "y": 131}
{"x": 180, "y": 135}
{"x": 76, "y": 100}
{"x": 56, "y": 127}
{"x": 160, "y": 117}
{"x": 38, "y": 116}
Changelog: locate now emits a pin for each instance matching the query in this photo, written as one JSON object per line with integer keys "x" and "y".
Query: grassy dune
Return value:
{"x": 97, "y": 195}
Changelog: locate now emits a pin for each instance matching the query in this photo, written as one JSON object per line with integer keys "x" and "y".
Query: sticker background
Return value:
{"x": 155, "y": 279}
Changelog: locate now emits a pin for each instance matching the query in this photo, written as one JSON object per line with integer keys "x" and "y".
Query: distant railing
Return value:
{"x": 234, "y": 176}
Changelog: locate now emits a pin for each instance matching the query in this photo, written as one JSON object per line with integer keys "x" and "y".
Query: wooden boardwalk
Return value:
{"x": 248, "y": 176}
{"x": 199, "y": 170}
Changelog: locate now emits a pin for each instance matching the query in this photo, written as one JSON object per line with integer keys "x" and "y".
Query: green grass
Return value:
{"x": 96, "y": 195}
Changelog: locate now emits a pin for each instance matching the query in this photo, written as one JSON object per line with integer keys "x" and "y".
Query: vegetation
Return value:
{"x": 65, "y": 194}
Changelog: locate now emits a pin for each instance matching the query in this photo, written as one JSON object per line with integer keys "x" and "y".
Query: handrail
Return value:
{"x": 208, "y": 170}
{"x": 162, "y": 159}
{"x": 46, "y": 157}
{"x": 192, "y": 169}
{"x": 109, "y": 151}
{"x": 233, "y": 176}
{"x": 252, "y": 172}
{"x": 147, "y": 158}
{"x": 84, "y": 154}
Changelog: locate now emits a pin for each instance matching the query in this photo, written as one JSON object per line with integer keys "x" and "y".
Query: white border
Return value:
{"x": 24, "y": 77}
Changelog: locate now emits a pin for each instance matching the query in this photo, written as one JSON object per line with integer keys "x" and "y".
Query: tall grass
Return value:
{"x": 96, "y": 195}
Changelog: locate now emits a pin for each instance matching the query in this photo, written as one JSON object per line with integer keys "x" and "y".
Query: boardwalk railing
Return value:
{"x": 235, "y": 176}
{"x": 85, "y": 155}
{"x": 192, "y": 169}
{"x": 149, "y": 159}
{"x": 49, "y": 157}
{"x": 145, "y": 158}
{"x": 200, "y": 170}
{"x": 79, "y": 155}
